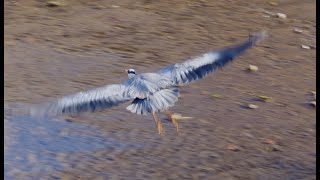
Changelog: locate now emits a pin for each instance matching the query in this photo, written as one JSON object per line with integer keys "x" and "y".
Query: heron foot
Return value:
{"x": 158, "y": 124}
{"x": 174, "y": 117}
{"x": 174, "y": 122}
{"x": 160, "y": 128}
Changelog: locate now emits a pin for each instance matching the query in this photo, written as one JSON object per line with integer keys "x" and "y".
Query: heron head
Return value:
{"x": 131, "y": 72}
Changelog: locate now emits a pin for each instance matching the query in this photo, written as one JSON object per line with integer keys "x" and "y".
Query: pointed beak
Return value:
{"x": 126, "y": 70}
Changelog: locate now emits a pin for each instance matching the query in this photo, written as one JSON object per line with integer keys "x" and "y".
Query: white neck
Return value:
{"x": 131, "y": 75}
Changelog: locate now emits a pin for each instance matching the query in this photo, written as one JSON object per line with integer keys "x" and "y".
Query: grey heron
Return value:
{"x": 149, "y": 93}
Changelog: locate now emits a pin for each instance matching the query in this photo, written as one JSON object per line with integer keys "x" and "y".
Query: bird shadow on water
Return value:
{"x": 31, "y": 145}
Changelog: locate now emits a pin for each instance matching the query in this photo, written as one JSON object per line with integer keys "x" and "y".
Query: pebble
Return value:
{"x": 252, "y": 106}
{"x": 233, "y": 147}
{"x": 264, "y": 98}
{"x": 269, "y": 141}
{"x": 305, "y": 47}
{"x": 217, "y": 96}
{"x": 297, "y": 30}
{"x": 314, "y": 94}
{"x": 54, "y": 3}
{"x": 313, "y": 103}
{"x": 98, "y": 7}
{"x": 253, "y": 68}
{"x": 272, "y": 3}
{"x": 281, "y": 15}
{"x": 275, "y": 147}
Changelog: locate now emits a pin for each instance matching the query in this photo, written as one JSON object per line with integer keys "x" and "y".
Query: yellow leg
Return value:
{"x": 172, "y": 118}
{"x": 158, "y": 124}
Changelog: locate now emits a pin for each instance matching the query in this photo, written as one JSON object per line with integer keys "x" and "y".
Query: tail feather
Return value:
{"x": 157, "y": 102}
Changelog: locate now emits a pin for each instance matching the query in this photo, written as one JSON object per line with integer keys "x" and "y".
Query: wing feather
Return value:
{"x": 199, "y": 67}
{"x": 92, "y": 100}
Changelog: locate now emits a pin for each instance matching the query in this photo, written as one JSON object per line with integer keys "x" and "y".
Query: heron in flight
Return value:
{"x": 149, "y": 93}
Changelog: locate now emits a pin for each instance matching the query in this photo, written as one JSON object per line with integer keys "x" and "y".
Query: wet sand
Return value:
{"x": 54, "y": 51}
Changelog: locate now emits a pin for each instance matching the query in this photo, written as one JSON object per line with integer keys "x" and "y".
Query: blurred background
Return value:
{"x": 248, "y": 124}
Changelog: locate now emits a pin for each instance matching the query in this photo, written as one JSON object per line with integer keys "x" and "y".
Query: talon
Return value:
{"x": 174, "y": 117}
{"x": 175, "y": 123}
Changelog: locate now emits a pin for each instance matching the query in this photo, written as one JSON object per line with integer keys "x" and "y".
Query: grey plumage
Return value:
{"x": 149, "y": 92}
{"x": 146, "y": 84}
{"x": 159, "y": 101}
{"x": 199, "y": 67}
{"x": 92, "y": 100}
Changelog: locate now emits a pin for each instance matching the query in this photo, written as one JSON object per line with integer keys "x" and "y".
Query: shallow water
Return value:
{"x": 32, "y": 144}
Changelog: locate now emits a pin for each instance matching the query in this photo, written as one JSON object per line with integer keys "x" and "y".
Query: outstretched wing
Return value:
{"x": 200, "y": 67}
{"x": 92, "y": 100}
